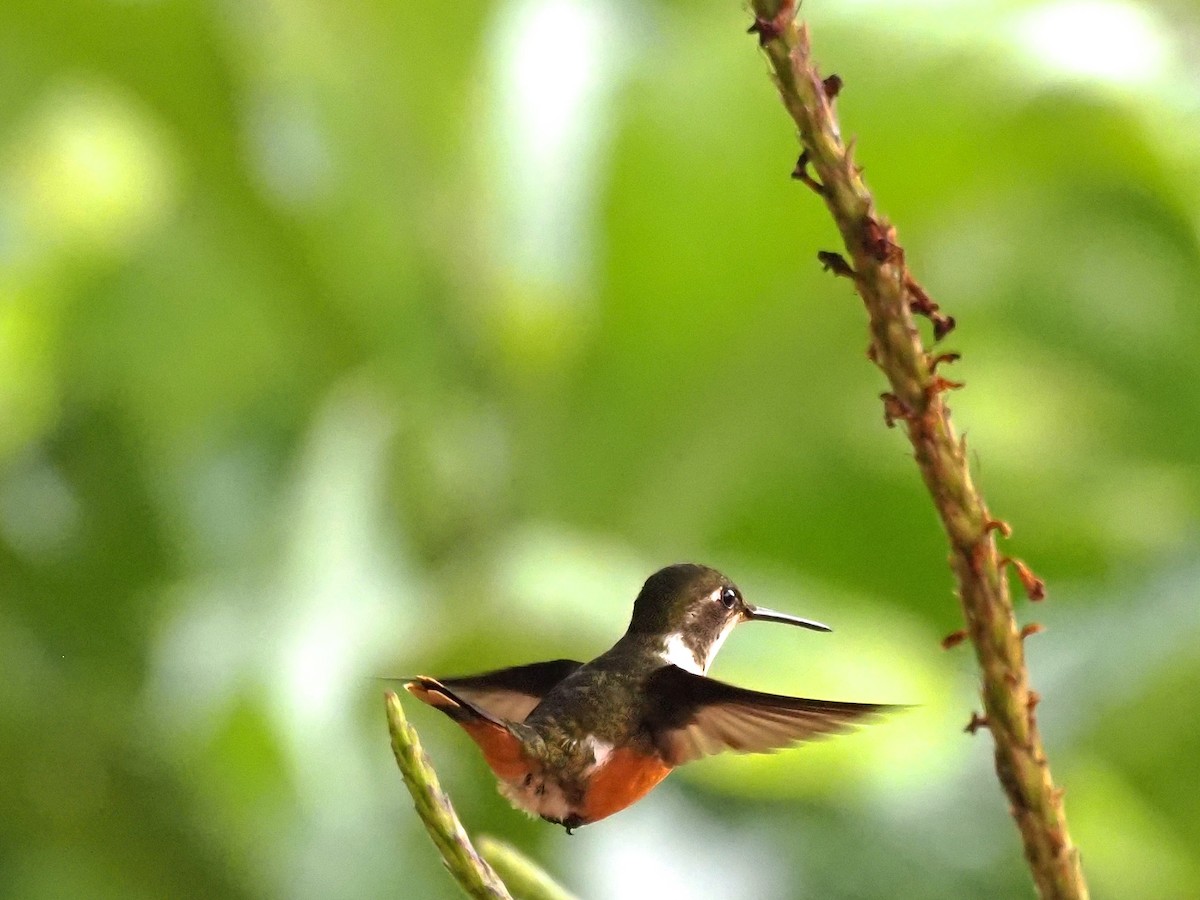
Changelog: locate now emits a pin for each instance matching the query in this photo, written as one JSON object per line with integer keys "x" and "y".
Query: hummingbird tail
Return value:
{"x": 501, "y": 748}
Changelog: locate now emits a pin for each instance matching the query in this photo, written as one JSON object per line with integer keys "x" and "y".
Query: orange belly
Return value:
{"x": 624, "y": 778}
{"x": 501, "y": 749}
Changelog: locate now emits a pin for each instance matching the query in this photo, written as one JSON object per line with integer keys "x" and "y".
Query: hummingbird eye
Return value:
{"x": 729, "y": 598}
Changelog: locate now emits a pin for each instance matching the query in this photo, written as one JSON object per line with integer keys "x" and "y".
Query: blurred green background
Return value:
{"x": 347, "y": 340}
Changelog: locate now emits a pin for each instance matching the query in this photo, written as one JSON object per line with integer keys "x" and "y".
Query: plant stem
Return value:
{"x": 524, "y": 877}
{"x": 467, "y": 867}
{"x": 892, "y": 297}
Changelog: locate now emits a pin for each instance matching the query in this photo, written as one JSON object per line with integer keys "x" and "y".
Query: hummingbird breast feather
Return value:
{"x": 538, "y": 795}
{"x": 558, "y": 790}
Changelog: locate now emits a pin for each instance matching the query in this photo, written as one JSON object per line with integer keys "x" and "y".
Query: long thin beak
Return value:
{"x": 760, "y": 614}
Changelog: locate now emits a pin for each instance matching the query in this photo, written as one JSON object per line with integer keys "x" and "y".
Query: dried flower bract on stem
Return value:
{"x": 916, "y": 400}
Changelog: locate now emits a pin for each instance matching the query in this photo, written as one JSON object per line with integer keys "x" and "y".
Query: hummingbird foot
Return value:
{"x": 570, "y": 823}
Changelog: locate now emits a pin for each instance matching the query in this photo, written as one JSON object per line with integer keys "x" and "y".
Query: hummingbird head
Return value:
{"x": 691, "y": 609}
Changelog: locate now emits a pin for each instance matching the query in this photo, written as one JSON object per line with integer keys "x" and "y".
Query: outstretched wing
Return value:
{"x": 693, "y": 716}
{"x": 512, "y": 693}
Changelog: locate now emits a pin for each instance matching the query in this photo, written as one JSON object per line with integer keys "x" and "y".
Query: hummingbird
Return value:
{"x": 575, "y": 742}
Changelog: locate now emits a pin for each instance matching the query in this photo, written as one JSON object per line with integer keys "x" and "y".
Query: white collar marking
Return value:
{"x": 677, "y": 653}
{"x": 716, "y": 645}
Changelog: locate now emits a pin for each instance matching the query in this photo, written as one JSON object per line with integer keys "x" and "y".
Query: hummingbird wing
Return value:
{"x": 693, "y": 716}
{"x": 512, "y": 693}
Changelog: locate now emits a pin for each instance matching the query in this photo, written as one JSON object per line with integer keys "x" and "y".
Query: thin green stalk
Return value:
{"x": 467, "y": 867}
{"x": 523, "y": 876}
{"x": 876, "y": 264}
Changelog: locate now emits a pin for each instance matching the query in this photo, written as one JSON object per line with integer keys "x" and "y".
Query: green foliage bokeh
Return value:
{"x": 340, "y": 341}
